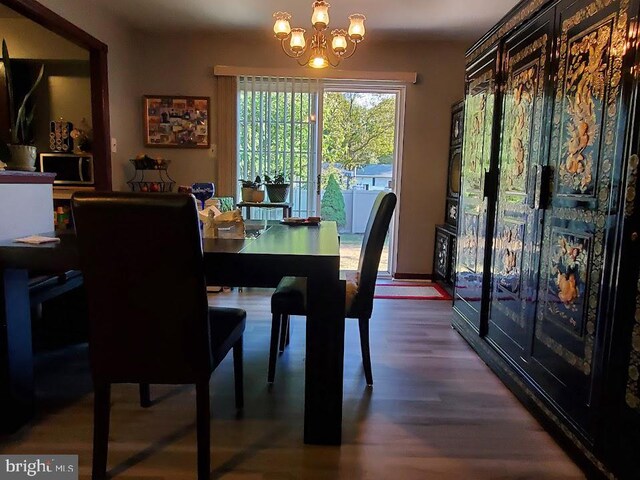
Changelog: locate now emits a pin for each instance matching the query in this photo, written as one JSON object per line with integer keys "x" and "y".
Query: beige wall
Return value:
{"x": 182, "y": 64}
{"x": 124, "y": 104}
{"x": 27, "y": 39}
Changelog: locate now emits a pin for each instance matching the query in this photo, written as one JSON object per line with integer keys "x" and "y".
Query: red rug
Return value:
{"x": 410, "y": 291}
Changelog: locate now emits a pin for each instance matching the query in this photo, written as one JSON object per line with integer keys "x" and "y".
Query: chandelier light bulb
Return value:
{"x": 297, "y": 42}
{"x": 320, "y": 16}
{"x": 318, "y": 61}
{"x": 339, "y": 41}
{"x": 282, "y": 27}
{"x": 356, "y": 28}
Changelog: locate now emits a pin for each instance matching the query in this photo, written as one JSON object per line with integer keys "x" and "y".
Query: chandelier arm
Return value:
{"x": 355, "y": 47}
{"x": 288, "y": 51}
{"x": 331, "y": 54}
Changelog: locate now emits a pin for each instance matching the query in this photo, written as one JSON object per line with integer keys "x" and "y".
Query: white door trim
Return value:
{"x": 373, "y": 87}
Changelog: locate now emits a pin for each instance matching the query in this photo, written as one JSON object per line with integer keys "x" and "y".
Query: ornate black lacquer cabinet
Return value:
{"x": 547, "y": 285}
{"x": 444, "y": 258}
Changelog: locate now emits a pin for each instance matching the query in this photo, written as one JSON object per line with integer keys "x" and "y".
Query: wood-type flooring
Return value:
{"x": 435, "y": 412}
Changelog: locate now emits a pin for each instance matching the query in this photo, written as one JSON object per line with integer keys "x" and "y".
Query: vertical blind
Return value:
{"x": 277, "y": 133}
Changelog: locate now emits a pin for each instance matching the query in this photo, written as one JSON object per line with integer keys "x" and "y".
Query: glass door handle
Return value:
{"x": 318, "y": 184}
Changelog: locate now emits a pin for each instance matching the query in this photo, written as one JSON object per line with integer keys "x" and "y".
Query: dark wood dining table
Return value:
{"x": 306, "y": 251}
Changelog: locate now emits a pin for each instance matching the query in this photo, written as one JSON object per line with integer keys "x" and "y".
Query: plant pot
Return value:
{"x": 247, "y": 194}
{"x": 258, "y": 196}
{"x": 23, "y": 157}
{"x": 278, "y": 192}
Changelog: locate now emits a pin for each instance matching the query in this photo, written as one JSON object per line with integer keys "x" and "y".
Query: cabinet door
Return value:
{"x": 442, "y": 254}
{"x": 457, "y": 121}
{"x": 476, "y": 159}
{"x": 588, "y": 128}
{"x": 622, "y": 440}
{"x": 524, "y": 133}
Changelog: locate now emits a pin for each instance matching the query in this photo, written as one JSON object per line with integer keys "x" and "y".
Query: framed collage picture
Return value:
{"x": 176, "y": 121}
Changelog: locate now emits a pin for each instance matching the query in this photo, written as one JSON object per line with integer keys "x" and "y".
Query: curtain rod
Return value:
{"x": 233, "y": 71}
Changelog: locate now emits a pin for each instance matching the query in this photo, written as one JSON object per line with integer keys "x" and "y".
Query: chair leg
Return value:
{"x": 145, "y": 395}
{"x": 363, "y": 324}
{"x": 237, "y": 374}
{"x": 284, "y": 332}
{"x": 273, "y": 348}
{"x": 203, "y": 428}
{"x": 101, "y": 414}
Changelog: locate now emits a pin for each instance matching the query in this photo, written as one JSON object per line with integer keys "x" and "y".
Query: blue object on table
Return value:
{"x": 203, "y": 191}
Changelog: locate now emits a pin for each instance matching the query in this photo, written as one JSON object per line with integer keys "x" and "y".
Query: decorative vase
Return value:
{"x": 23, "y": 157}
{"x": 247, "y": 194}
{"x": 258, "y": 196}
{"x": 278, "y": 192}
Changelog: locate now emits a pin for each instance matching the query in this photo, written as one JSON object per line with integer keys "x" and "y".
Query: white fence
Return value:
{"x": 358, "y": 204}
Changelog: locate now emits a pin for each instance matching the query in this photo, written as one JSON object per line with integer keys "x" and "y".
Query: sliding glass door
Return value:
{"x": 338, "y": 144}
{"x": 360, "y": 158}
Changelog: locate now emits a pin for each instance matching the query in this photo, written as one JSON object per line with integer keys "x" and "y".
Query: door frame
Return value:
{"x": 363, "y": 86}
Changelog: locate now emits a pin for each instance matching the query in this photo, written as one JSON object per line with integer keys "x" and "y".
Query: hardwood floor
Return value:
{"x": 435, "y": 412}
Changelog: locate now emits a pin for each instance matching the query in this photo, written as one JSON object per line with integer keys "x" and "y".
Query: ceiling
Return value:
{"x": 451, "y": 18}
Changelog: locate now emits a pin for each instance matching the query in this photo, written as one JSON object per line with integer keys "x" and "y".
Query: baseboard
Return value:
{"x": 413, "y": 276}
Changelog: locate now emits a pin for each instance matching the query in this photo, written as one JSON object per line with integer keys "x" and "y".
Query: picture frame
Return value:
{"x": 176, "y": 121}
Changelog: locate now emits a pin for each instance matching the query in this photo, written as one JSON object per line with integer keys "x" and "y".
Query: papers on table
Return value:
{"x": 37, "y": 240}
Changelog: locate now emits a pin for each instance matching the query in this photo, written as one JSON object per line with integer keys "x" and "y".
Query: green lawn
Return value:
{"x": 350, "y": 244}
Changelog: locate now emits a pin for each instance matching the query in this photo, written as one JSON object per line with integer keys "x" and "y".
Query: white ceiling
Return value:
{"x": 454, "y": 18}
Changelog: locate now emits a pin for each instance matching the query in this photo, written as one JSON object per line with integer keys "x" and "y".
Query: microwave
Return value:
{"x": 70, "y": 169}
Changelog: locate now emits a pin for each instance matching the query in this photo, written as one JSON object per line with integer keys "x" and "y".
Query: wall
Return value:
{"x": 65, "y": 92}
{"x": 182, "y": 64}
{"x": 27, "y": 39}
{"x": 124, "y": 103}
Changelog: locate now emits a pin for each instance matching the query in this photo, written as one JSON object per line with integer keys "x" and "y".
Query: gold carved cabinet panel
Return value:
{"x": 525, "y": 130}
{"x": 584, "y": 153}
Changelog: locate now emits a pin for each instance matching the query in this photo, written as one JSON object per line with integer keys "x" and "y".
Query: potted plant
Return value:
{"x": 20, "y": 154}
{"x": 252, "y": 190}
{"x": 277, "y": 187}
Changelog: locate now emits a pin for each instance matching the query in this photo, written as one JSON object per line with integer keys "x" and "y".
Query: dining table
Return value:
{"x": 280, "y": 250}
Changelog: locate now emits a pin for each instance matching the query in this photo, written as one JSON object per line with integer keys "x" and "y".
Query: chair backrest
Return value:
{"x": 142, "y": 262}
{"x": 372, "y": 245}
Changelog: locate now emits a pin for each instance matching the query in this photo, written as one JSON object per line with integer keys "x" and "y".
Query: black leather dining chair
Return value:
{"x": 149, "y": 321}
{"x": 290, "y": 297}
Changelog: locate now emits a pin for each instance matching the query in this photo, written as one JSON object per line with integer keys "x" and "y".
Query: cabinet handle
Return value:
{"x": 543, "y": 187}
{"x": 489, "y": 184}
{"x": 533, "y": 184}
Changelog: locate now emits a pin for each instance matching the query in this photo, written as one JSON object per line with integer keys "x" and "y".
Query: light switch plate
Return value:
{"x": 114, "y": 145}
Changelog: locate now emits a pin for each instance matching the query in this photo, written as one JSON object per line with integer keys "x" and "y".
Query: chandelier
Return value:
{"x": 316, "y": 52}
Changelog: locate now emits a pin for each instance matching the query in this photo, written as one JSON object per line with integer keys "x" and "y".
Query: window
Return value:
{"x": 277, "y": 133}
